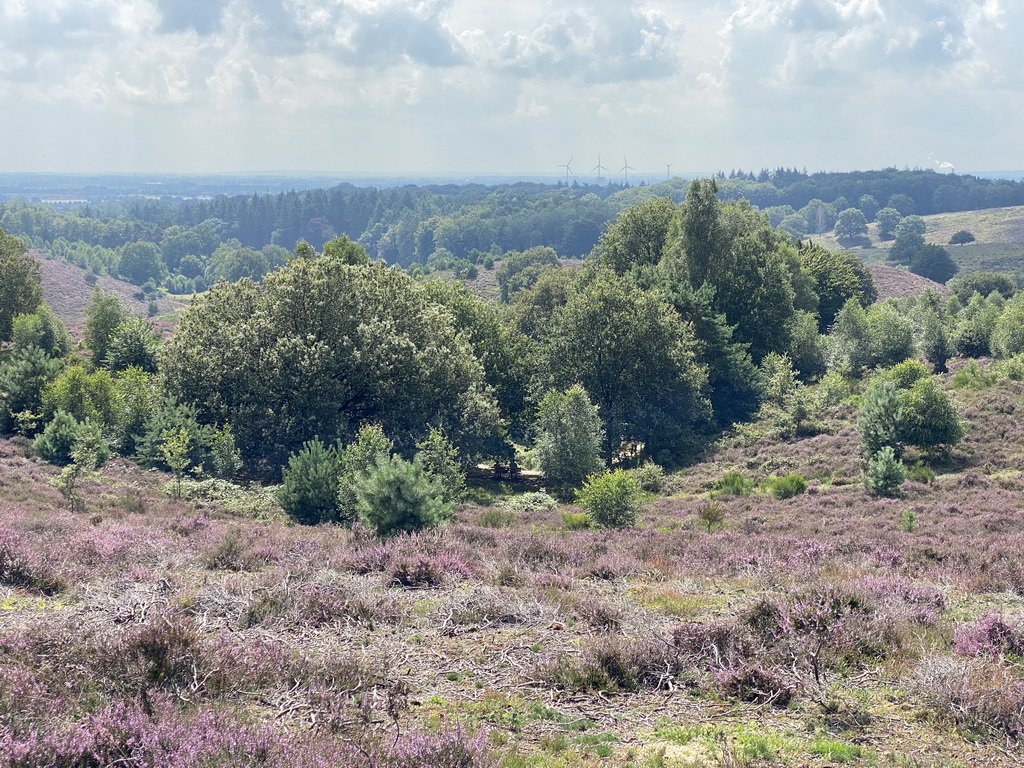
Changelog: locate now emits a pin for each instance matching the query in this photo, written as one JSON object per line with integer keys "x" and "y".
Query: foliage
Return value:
{"x": 836, "y": 281}
{"x": 167, "y": 415}
{"x": 712, "y": 515}
{"x": 23, "y": 377}
{"x": 965, "y": 286}
{"x": 175, "y": 449}
{"x": 20, "y": 282}
{"x": 141, "y": 261}
{"x": 961, "y": 237}
{"x": 888, "y": 219}
{"x": 786, "y": 486}
{"x": 103, "y": 314}
{"x": 933, "y": 262}
{"x": 569, "y": 437}
{"x": 930, "y": 419}
{"x": 134, "y": 397}
{"x": 1008, "y": 332}
{"x": 885, "y": 473}
{"x": 441, "y": 461}
{"x": 358, "y": 456}
{"x": 732, "y": 483}
{"x": 83, "y": 395}
{"x": 42, "y": 329}
{"x": 57, "y": 442}
{"x": 851, "y": 224}
{"x": 974, "y": 324}
{"x": 132, "y": 344}
{"x": 372, "y": 348}
{"x": 519, "y": 271}
{"x": 636, "y": 358}
{"x": 906, "y": 248}
{"x": 394, "y": 496}
{"x": 650, "y": 477}
{"x": 638, "y": 236}
{"x": 611, "y": 498}
{"x": 879, "y": 418}
{"x": 935, "y": 343}
{"x": 309, "y": 484}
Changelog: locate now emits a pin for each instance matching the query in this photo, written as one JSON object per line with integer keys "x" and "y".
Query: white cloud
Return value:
{"x": 620, "y": 42}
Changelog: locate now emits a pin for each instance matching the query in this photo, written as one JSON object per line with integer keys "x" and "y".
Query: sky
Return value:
{"x": 509, "y": 86}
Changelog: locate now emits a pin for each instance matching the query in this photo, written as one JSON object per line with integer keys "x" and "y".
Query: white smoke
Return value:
{"x": 943, "y": 165}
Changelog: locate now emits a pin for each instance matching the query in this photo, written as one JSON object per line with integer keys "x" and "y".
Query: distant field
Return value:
{"x": 999, "y": 244}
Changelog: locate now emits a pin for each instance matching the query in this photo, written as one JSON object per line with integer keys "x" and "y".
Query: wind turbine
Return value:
{"x": 568, "y": 170}
{"x": 598, "y": 168}
{"x": 668, "y": 170}
{"x": 625, "y": 169}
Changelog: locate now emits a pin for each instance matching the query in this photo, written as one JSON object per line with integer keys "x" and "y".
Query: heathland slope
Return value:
{"x": 830, "y": 627}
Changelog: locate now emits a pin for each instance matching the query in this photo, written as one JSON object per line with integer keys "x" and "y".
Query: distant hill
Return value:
{"x": 998, "y": 245}
{"x": 67, "y": 292}
{"x": 897, "y": 282}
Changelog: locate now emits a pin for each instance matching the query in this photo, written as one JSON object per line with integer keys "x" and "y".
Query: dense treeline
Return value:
{"x": 188, "y": 246}
{"x": 684, "y": 319}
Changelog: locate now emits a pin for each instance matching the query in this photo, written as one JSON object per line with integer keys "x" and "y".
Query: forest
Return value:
{"x": 187, "y": 246}
{"x": 659, "y": 470}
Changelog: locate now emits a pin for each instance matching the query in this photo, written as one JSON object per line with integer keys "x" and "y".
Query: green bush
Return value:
{"x": 569, "y": 438}
{"x": 309, "y": 491}
{"x": 394, "y": 495}
{"x": 370, "y": 444}
{"x": 920, "y": 473}
{"x": 732, "y": 483}
{"x": 885, "y": 473}
{"x": 441, "y": 460}
{"x": 650, "y": 477}
{"x": 577, "y": 521}
{"x": 63, "y": 434}
{"x": 787, "y": 486}
{"x": 972, "y": 376}
{"x": 535, "y": 501}
{"x": 611, "y": 498}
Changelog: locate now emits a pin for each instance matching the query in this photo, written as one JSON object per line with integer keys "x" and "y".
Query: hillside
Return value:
{"x": 999, "y": 244}
{"x": 66, "y": 291}
{"x": 828, "y": 628}
{"x": 897, "y": 282}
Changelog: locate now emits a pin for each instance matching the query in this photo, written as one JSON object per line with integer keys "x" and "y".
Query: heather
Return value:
{"x": 150, "y": 630}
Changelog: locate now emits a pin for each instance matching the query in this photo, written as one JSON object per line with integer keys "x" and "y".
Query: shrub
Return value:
{"x": 732, "y": 483}
{"x": 712, "y": 514}
{"x": 419, "y": 570}
{"x": 441, "y": 461}
{"x": 356, "y": 457}
{"x": 309, "y": 491}
{"x": 534, "y": 501}
{"x": 787, "y": 486}
{"x": 569, "y": 437}
{"x": 396, "y": 495}
{"x": 57, "y": 443}
{"x": 650, "y": 477}
{"x": 961, "y": 237}
{"x": 611, "y": 498}
{"x": 971, "y": 376}
{"x": 920, "y": 473}
{"x": 577, "y": 521}
{"x": 992, "y": 636}
{"x": 885, "y": 473}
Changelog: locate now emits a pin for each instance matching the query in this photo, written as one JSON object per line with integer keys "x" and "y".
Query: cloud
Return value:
{"x": 621, "y": 42}
{"x": 381, "y": 33}
{"x": 775, "y": 46}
